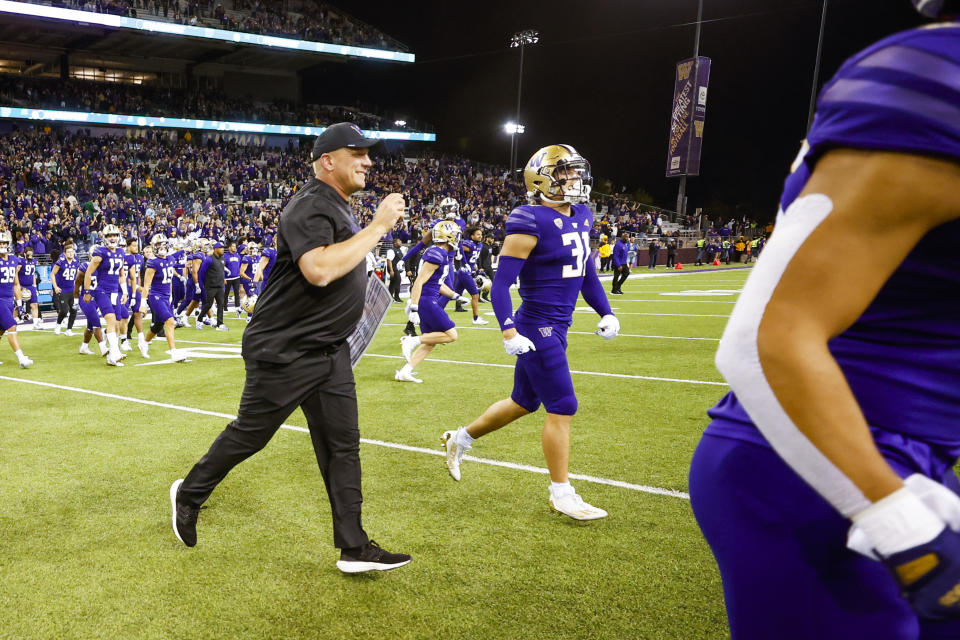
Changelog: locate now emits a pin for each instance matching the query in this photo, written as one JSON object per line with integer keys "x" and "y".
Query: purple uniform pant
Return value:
{"x": 433, "y": 317}
{"x": 106, "y": 301}
{"x": 7, "y": 321}
{"x": 543, "y": 376}
{"x": 89, "y": 310}
{"x": 781, "y": 548}
{"x": 464, "y": 281}
{"x": 161, "y": 309}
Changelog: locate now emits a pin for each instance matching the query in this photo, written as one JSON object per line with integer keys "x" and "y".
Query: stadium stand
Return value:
{"x": 304, "y": 19}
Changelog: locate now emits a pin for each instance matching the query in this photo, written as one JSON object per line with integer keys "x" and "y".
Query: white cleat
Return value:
{"x": 85, "y": 349}
{"x": 113, "y": 362}
{"x": 144, "y": 349}
{"x": 104, "y": 349}
{"x": 68, "y": 333}
{"x": 400, "y": 376}
{"x": 408, "y": 344}
{"x": 125, "y": 346}
{"x": 479, "y": 320}
{"x": 25, "y": 362}
{"x": 573, "y": 505}
{"x": 177, "y": 355}
{"x": 454, "y": 453}
{"x": 199, "y": 325}
{"x": 56, "y": 329}
{"x": 223, "y": 327}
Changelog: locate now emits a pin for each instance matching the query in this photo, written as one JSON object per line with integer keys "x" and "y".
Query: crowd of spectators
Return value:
{"x": 302, "y": 19}
{"x": 56, "y": 185}
{"x": 129, "y": 99}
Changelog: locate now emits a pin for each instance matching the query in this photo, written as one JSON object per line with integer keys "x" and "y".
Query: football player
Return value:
{"x": 157, "y": 279}
{"x": 466, "y": 278}
{"x": 88, "y": 306}
{"x": 548, "y": 247}
{"x": 267, "y": 260}
{"x": 231, "y": 264}
{"x": 27, "y": 276}
{"x": 178, "y": 287}
{"x": 429, "y": 294}
{"x": 248, "y": 272}
{"x": 10, "y": 291}
{"x": 135, "y": 266}
{"x": 63, "y": 277}
{"x": 825, "y": 483}
{"x": 108, "y": 265}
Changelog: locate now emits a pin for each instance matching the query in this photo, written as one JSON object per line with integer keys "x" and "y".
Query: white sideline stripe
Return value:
{"x": 586, "y": 373}
{"x": 579, "y": 333}
{"x": 380, "y": 443}
{"x": 675, "y": 301}
{"x": 675, "y": 315}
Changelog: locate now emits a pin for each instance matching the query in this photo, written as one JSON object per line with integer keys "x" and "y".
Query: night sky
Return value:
{"x": 601, "y": 79}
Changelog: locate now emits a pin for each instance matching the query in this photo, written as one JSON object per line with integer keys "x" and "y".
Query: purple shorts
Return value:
{"x": 160, "y": 307}
{"x": 89, "y": 310}
{"x": 107, "y": 302}
{"x": 464, "y": 281}
{"x": 543, "y": 376}
{"x": 7, "y": 321}
{"x": 433, "y": 317}
{"x": 123, "y": 310}
{"x": 781, "y": 547}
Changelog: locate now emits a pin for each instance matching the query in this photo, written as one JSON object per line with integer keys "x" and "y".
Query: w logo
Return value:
{"x": 546, "y": 332}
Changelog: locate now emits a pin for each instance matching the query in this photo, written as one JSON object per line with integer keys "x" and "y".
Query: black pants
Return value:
{"x": 395, "y": 285}
{"x": 619, "y": 277}
{"x": 321, "y": 383}
{"x": 671, "y": 260}
{"x": 605, "y": 263}
{"x": 63, "y": 303}
{"x": 218, "y": 294}
{"x": 233, "y": 286}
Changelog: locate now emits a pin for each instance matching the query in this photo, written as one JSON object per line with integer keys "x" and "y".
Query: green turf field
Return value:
{"x": 86, "y": 548}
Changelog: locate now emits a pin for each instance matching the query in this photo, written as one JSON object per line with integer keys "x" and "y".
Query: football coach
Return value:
{"x": 295, "y": 348}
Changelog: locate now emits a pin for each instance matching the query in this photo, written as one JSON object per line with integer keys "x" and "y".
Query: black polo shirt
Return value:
{"x": 292, "y": 316}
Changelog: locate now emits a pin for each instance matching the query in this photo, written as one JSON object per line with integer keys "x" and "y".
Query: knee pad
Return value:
{"x": 156, "y": 328}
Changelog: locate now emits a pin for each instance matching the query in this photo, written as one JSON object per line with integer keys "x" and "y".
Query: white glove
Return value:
{"x": 915, "y": 521}
{"x": 608, "y": 327}
{"x": 196, "y": 287}
{"x": 518, "y": 344}
{"x": 412, "y": 314}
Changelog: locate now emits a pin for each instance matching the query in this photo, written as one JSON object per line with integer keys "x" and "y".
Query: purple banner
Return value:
{"x": 687, "y": 117}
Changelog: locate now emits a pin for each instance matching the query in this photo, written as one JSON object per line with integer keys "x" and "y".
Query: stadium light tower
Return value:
{"x": 520, "y": 40}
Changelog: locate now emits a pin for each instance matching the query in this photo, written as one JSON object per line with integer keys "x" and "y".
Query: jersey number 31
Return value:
{"x": 580, "y": 250}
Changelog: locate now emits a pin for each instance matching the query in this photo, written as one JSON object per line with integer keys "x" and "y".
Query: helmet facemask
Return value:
{"x": 570, "y": 182}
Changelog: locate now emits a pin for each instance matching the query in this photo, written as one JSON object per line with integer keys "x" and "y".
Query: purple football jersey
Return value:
{"x": 552, "y": 276}
{"x": 8, "y": 272}
{"x": 67, "y": 274}
{"x": 902, "y": 356}
{"x": 271, "y": 254}
{"x": 110, "y": 269}
{"x": 93, "y": 278}
{"x": 443, "y": 275}
{"x": 164, "y": 270}
{"x": 27, "y": 272}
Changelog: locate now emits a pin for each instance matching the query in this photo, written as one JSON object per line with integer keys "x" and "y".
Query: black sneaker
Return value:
{"x": 410, "y": 330}
{"x": 460, "y": 308}
{"x": 370, "y": 557}
{"x": 184, "y": 517}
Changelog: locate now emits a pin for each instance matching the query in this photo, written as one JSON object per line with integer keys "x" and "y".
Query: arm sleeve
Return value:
{"x": 413, "y": 253}
{"x": 304, "y": 230}
{"x": 507, "y": 272}
{"x": 593, "y": 293}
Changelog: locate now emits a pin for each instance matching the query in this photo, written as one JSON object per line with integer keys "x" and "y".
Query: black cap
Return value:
{"x": 338, "y": 136}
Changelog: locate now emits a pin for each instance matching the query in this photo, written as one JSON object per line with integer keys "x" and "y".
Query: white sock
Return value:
{"x": 407, "y": 369}
{"x": 560, "y": 489}
{"x": 113, "y": 342}
{"x": 141, "y": 338}
{"x": 463, "y": 438}
{"x": 19, "y": 354}
{"x": 416, "y": 340}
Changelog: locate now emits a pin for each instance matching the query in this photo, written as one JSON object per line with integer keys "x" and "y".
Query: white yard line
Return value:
{"x": 380, "y": 443}
{"x": 585, "y": 373}
{"x": 579, "y": 333}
